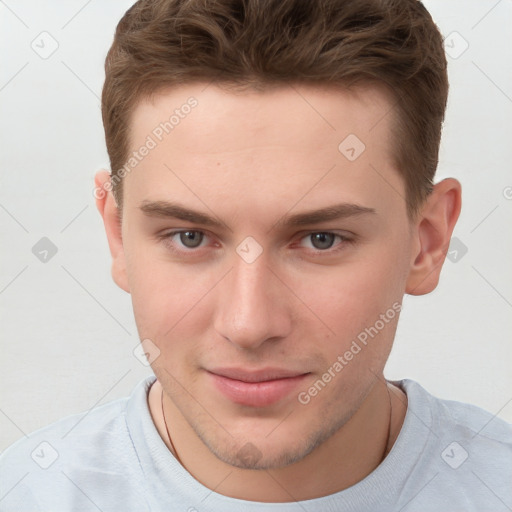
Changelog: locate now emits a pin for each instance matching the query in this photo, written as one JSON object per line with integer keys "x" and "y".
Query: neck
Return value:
{"x": 346, "y": 458}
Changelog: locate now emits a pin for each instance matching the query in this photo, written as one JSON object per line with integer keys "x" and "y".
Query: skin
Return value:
{"x": 249, "y": 159}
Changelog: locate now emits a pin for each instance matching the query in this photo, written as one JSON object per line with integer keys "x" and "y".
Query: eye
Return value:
{"x": 323, "y": 240}
{"x": 189, "y": 239}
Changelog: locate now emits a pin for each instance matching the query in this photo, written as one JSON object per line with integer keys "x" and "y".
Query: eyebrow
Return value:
{"x": 166, "y": 209}
{"x": 333, "y": 212}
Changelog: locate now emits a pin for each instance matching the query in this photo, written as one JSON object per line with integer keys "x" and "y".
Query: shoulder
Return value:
{"x": 466, "y": 420}
{"x": 467, "y": 454}
{"x": 48, "y": 466}
{"x": 48, "y": 444}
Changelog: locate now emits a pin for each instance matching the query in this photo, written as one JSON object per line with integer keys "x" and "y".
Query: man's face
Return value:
{"x": 265, "y": 289}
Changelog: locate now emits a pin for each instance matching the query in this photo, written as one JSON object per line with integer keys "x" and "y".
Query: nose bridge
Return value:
{"x": 249, "y": 311}
{"x": 249, "y": 282}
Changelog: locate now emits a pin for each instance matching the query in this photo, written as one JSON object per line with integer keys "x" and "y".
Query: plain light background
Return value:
{"x": 68, "y": 332}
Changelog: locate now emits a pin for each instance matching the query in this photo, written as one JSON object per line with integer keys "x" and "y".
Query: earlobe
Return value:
{"x": 106, "y": 205}
{"x": 433, "y": 231}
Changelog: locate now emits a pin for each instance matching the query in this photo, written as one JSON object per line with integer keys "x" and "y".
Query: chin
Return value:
{"x": 250, "y": 456}
{"x": 265, "y": 453}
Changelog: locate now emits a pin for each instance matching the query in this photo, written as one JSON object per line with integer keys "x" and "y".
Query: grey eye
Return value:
{"x": 191, "y": 239}
{"x": 322, "y": 240}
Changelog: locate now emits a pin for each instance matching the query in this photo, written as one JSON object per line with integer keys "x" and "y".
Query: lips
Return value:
{"x": 255, "y": 388}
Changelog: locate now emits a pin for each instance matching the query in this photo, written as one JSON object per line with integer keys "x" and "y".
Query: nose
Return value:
{"x": 253, "y": 306}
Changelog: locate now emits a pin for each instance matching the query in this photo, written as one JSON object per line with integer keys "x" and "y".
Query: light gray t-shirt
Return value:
{"x": 449, "y": 456}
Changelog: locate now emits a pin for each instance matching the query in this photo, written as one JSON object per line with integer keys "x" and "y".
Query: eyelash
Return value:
{"x": 343, "y": 240}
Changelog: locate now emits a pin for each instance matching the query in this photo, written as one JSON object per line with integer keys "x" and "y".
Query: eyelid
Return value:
{"x": 343, "y": 236}
{"x": 166, "y": 237}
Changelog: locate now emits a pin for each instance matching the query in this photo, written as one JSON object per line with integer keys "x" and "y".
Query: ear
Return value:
{"x": 110, "y": 213}
{"x": 433, "y": 229}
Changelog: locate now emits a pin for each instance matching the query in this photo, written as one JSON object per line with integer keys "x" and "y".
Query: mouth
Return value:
{"x": 259, "y": 388}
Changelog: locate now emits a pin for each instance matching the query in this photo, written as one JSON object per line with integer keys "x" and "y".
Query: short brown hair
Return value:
{"x": 259, "y": 43}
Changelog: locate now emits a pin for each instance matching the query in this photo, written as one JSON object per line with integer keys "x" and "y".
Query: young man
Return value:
{"x": 270, "y": 203}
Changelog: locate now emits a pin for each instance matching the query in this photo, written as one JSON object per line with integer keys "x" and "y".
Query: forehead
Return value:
{"x": 277, "y": 115}
{"x": 283, "y": 145}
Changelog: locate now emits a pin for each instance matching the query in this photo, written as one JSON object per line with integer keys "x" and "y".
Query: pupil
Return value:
{"x": 191, "y": 239}
{"x": 322, "y": 240}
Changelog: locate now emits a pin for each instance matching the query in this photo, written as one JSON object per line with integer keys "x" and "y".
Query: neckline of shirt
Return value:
{"x": 380, "y": 488}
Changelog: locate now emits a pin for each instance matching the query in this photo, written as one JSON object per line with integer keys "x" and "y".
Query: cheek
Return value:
{"x": 352, "y": 297}
{"x": 169, "y": 311}
{"x": 166, "y": 298}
